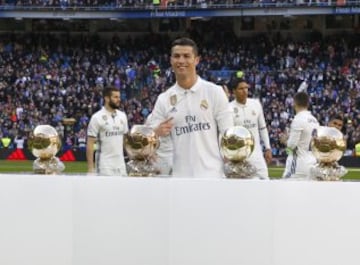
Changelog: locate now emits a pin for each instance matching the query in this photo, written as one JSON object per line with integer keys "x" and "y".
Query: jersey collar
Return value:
{"x": 193, "y": 89}
{"x": 240, "y": 104}
{"x": 108, "y": 112}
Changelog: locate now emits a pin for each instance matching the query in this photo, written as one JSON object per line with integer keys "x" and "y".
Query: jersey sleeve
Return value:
{"x": 295, "y": 132}
{"x": 222, "y": 110}
{"x": 93, "y": 127}
{"x": 264, "y": 134}
{"x": 158, "y": 114}
{"x": 126, "y": 129}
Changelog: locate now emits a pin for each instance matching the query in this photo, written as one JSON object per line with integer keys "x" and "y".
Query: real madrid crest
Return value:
{"x": 204, "y": 104}
{"x": 173, "y": 100}
{"x": 104, "y": 117}
{"x": 236, "y": 112}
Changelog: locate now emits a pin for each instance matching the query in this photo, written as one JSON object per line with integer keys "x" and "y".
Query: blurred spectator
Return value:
{"x": 170, "y": 3}
{"x": 6, "y": 141}
{"x": 19, "y": 141}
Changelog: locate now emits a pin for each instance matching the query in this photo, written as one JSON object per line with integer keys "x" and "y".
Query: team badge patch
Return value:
{"x": 253, "y": 113}
{"x": 173, "y": 100}
{"x": 204, "y": 104}
{"x": 104, "y": 117}
{"x": 236, "y": 112}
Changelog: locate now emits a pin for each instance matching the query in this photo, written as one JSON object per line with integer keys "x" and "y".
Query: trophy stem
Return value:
{"x": 239, "y": 170}
{"x": 49, "y": 166}
{"x": 327, "y": 171}
{"x": 142, "y": 168}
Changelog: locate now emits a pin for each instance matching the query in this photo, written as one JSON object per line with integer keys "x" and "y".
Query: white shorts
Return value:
{"x": 258, "y": 161}
{"x": 106, "y": 171}
{"x": 298, "y": 167}
{"x": 163, "y": 166}
{"x": 164, "y": 161}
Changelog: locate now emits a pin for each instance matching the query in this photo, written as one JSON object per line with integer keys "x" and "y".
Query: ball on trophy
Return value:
{"x": 44, "y": 144}
{"x": 236, "y": 146}
{"x": 328, "y": 146}
{"x": 140, "y": 145}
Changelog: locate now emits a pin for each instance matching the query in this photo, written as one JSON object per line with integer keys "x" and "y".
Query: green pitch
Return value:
{"x": 26, "y": 167}
{"x": 353, "y": 173}
{"x": 80, "y": 167}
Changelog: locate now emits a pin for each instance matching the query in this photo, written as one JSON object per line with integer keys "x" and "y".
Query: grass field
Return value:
{"x": 80, "y": 167}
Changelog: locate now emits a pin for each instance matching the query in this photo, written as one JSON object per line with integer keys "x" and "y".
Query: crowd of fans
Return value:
{"x": 170, "y": 3}
{"x": 46, "y": 78}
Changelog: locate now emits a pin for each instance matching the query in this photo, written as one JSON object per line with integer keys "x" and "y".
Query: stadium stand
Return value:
{"x": 65, "y": 76}
{"x": 141, "y": 4}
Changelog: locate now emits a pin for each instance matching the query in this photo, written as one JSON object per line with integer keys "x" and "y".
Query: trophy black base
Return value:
{"x": 141, "y": 168}
{"x": 51, "y": 166}
{"x": 239, "y": 170}
{"x": 327, "y": 172}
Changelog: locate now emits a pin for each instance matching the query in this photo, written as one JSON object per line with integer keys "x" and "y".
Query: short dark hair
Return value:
{"x": 186, "y": 42}
{"x": 301, "y": 99}
{"x": 108, "y": 91}
{"x": 236, "y": 81}
{"x": 337, "y": 117}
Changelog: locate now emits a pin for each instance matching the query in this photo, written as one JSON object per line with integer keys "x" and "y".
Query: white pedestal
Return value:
{"x": 80, "y": 220}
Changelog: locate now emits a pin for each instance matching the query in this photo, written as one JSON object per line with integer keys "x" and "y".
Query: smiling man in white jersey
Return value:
{"x": 193, "y": 112}
{"x": 304, "y": 125}
{"x": 107, "y": 128}
{"x": 248, "y": 112}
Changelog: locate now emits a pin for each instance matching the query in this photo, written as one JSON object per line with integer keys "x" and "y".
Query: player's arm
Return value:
{"x": 90, "y": 153}
{"x": 222, "y": 111}
{"x": 294, "y": 136}
{"x": 159, "y": 121}
{"x": 126, "y": 129}
{"x": 92, "y": 132}
{"x": 264, "y": 134}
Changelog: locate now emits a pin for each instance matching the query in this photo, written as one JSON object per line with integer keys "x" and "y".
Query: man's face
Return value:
{"x": 336, "y": 123}
{"x": 241, "y": 92}
{"x": 183, "y": 61}
{"x": 114, "y": 100}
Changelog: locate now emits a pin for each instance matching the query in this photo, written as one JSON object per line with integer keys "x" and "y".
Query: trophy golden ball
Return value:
{"x": 44, "y": 143}
{"x": 237, "y": 143}
{"x": 328, "y": 144}
{"x": 141, "y": 142}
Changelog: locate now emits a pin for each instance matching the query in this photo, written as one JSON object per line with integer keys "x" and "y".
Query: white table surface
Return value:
{"x": 82, "y": 220}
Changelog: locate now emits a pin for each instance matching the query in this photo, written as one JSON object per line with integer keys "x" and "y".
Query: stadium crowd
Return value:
{"x": 46, "y": 78}
{"x": 134, "y": 4}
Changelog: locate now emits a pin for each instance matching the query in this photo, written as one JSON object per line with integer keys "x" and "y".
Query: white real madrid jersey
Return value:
{"x": 302, "y": 129}
{"x": 199, "y": 114}
{"x": 109, "y": 129}
{"x": 250, "y": 115}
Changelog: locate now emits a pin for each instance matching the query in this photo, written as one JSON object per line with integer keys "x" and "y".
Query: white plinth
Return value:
{"x": 79, "y": 220}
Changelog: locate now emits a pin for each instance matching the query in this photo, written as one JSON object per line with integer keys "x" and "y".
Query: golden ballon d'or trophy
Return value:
{"x": 236, "y": 145}
{"x": 141, "y": 144}
{"x": 328, "y": 146}
{"x": 44, "y": 144}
